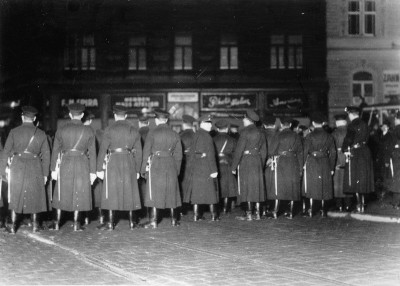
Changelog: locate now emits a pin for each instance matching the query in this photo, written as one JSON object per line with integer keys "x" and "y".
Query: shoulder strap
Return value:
{"x": 31, "y": 140}
{"x": 79, "y": 139}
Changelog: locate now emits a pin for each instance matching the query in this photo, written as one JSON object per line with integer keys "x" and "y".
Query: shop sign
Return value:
{"x": 287, "y": 101}
{"x": 224, "y": 101}
{"x": 183, "y": 97}
{"x": 92, "y": 104}
{"x": 391, "y": 82}
{"x": 140, "y": 100}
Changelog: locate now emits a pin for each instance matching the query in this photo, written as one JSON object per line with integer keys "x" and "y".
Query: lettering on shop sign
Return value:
{"x": 391, "y": 83}
{"x": 228, "y": 101}
{"x": 88, "y": 102}
{"x": 140, "y": 101}
{"x": 283, "y": 101}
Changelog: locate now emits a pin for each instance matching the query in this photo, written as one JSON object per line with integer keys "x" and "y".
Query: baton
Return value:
{"x": 238, "y": 179}
{"x": 276, "y": 174}
{"x": 391, "y": 167}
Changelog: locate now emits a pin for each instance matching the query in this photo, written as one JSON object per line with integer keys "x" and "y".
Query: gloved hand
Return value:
{"x": 100, "y": 175}
{"x": 144, "y": 175}
{"x": 45, "y": 179}
{"x": 137, "y": 176}
{"x": 332, "y": 173}
{"x": 214, "y": 175}
{"x": 92, "y": 178}
{"x": 269, "y": 162}
{"x": 54, "y": 175}
{"x": 234, "y": 172}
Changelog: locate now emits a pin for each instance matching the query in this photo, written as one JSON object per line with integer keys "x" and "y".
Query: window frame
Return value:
{"x": 183, "y": 49}
{"x": 362, "y": 18}
{"x": 229, "y": 42}
{"x": 140, "y": 50}
{"x": 78, "y": 47}
{"x": 284, "y": 53}
{"x": 362, "y": 83}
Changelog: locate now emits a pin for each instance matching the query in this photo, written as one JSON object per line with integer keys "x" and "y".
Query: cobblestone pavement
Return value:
{"x": 316, "y": 251}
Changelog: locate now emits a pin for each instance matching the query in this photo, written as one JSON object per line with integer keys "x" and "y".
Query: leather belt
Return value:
{"x": 26, "y": 155}
{"x": 251, "y": 152}
{"x": 288, "y": 153}
{"x": 122, "y": 151}
{"x": 319, "y": 154}
{"x": 162, "y": 153}
{"x": 200, "y": 155}
{"x": 359, "y": 145}
{"x": 73, "y": 152}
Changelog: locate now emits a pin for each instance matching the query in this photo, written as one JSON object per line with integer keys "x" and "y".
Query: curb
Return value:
{"x": 364, "y": 217}
{"x": 104, "y": 265}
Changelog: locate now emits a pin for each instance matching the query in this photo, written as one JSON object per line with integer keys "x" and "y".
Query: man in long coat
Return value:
{"x": 225, "y": 146}
{"x": 26, "y": 161}
{"x": 359, "y": 175}
{"x": 394, "y": 162}
{"x": 286, "y": 163}
{"x": 119, "y": 165}
{"x": 162, "y": 158}
{"x": 73, "y": 166}
{"x": 338, "y": 135}
{"x": 319, "y": 166}
{"x": 248, "y": 163}
{"x": 202, "y": 186}
{"x": 270, "y": 132}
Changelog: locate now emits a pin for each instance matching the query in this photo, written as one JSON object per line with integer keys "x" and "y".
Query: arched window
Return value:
{"x": 363, "y": 91}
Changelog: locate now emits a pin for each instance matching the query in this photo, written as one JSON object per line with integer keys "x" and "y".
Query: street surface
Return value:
{"x": 316, "y": 251}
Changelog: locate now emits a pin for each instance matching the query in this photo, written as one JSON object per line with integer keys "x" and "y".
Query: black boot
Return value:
{"x": 257, "y": 215}
{"x": 35, "y": 223}
{"x": 101, "y": 217}
{"x": 274, "y": 213}
{"x": 196, "y": 213}
{"x": 87, "y": 221}
{"x": 77, "y": 224}
{"x": 152, "y": 223}
{"x": 310, "y": 210}
{"x": 358, "y": 207}
{"x": 323, "y": 212}
{"x": 214, "y": 213}
{"x": 362, "y": 203}
{"x": 110, "y": 225}
{"x": 132, "y": 220}
{"x": 289, "y": 215}
{"x": 248, "y": 215}
{"x": 174, "y": 221}
{"x": 225, "y": 209}
{"x": 13, "y": 227}
{"x": 55, "y": 225}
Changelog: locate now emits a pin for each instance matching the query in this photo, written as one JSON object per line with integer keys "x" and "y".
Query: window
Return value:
{"x": 286, "y": 52}
{"x": 362, "y": 86}
{"x": 228, "y": 53}
{"x": 137, "y": 53}
{"x": 80, "y": 53}
{"x": 183, "y": 52}
{"x": 361, "y": 17}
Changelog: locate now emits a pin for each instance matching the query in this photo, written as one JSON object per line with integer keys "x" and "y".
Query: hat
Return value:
{"x": 317, "y": 117}
{"x": 143, "y": 118}
{"x": 252, "y": 115}
{"x": 234, "y": 126}
{"x": 29, "y": 111}
{"x": 269, "y": 120}
{"x": 206, "y": 118}
{"x": 294, "y": 123}
{"x": 161, "y": 114}
{"x": 398, "y": 114}
{"x": 188, "y": 119}
{"x": 352, "y": 109}
{"x": 222, "y": 123}
{"x": 286, "y": 120}
{"x": 341, "y": 116}
{"x": 76, "y": 108}
{"x": 120, "y": 110}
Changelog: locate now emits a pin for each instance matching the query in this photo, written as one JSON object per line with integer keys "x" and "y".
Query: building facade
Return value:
{"x": 363, "y": 44}
{"x": 187, "y": 57}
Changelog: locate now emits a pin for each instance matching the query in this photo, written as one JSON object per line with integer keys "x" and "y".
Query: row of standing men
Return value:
{"x": 191, "y": 167}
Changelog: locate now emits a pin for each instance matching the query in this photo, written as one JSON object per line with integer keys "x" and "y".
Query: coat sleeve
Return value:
{"x": 332, "y": 153}
{"x": 56, "y": 150}
{"x": 147, "y": 149}
{"x": 349, "y": 138}
{"x": 7, "y": 151}
{"x": 104, "y": 145}
{"x": 45, "y": 155}
{"x": 237, "y": 156}
{"x": 299, "y": 151}
{"x": 306, "y": 148}
{"x": 178, "y": 153}
{"x": 212, "y": 162}
{"x": 264, "y": 148}
{"x": 137, "y": 145}
{"x": 92, "y": 152}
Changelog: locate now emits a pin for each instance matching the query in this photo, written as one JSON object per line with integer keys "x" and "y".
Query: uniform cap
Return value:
{"x": 222, "y": 123}
{"x": 161, "y": 114}
{"x": 205, "y": 118}
{"x": 188, "y": 119}
{"x": 352, "y": 109}
{"x": 286, "y": 120}
{"x": 398, "y": 114}
{"x": 317, "y": 117}
{"x": 76, "y": 108}
{"x": 234, "y": 126}
{"x": 341, "y": 116}
{"x": 120, "y": 109}
{"x": 252, "y": 115}
{"x": 143, "y": 118}
{"x": 294, "y": 123}
{"x": 88, "y": 115}
{"x": 29, "y": 111}
{"x": 269, "y": 120}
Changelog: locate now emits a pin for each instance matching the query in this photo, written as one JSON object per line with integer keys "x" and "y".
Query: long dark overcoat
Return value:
{"x": 320, "y": 158}
{"x": 187, "y": 140}
{"x": 163, "y": 150}
{"x": 120, "y": 186}
{"x": 225, "y": 146}
{"x": 270, "y": 134}
{"x": 338, "y": 178}
{"x": 76, "y": 144}
{"x": 359, "y": 175}
{"x": 30, "y": 163}
{"x": 394, "y": 160}
{"x": 202, "y": 189}
{"x": 287, "y": 147}
{"x": 98, "y": 184}
{"x": 249, "y": 160}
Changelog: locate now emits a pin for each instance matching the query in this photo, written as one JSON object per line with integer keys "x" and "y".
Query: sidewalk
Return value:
{"x": 375, "y": 211}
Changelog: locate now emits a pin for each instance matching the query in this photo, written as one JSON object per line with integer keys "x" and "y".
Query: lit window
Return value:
{"x": 361, "y": 17}
{"x": 183, "y": 52}
{"x": 295, "y": 52}
{"x": 362, "y": 85}
{"x": 80, "y": 53}
{"x": 137, "y": 53}
{"x": 286, "y": 52}
{"x": 277, "y": 52}
{"x": 228, "y": 53}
